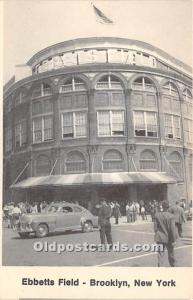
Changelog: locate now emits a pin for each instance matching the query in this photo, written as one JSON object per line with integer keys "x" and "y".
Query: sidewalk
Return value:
{"x": 123, "y": 221}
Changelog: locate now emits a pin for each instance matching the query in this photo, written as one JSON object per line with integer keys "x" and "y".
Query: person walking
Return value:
{"x": 143, "y": 213}
{"x": 129, "y": 212}
{"x": 16, "y": 213}
{"x": 165, "y": 234}
{"x": 104, "y": 215}
{"x": 137, "y": 210}
{"x": 179, "y": 216}
{"x": 116, "y": 212}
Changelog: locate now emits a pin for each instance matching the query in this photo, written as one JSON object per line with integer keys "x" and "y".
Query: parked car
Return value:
{"x": 57, "y": 217}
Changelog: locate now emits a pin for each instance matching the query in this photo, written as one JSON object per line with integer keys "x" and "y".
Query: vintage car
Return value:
{"x": 57, "y": 217}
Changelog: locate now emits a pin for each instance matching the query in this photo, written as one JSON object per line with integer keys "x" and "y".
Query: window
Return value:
{"x": 170, "y": 97}
{"x": 41, "y": 90}
{"x": 176, "y": 164}
{"x": 42, "y": 106}
{"x": 109, "y": 82}
{"x": 172, "y": 127}
{"x": 19, "y": 98}
{"x": 170, "y": 89}
{"x": 188, "y": 131}
{"x": 73, "y": 84}
{"x": 148, "y": 161}
{"x": 187, "y": 95}
{"x": 143, "y": 83}
{"x": 75, "y": 162}
{"x": 67, "y": 209}
{"x": 145, "y": 124}
{"x": 43, "y": 166}
{"x": 77, "y": 209}
{"x": 69, "y": 101}
{"x": 110, "y": 123}
{"x": 8, "y": 139}
{"x": 42, "y": 129}
{"x": 188, "y": 102}
{"x": 20, "y": 134}
{"x": 74, "y": 124}
{"x": 113, "y": 161}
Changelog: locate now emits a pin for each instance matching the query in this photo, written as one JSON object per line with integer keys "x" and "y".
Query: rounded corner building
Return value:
{"x": 99, "y": 117}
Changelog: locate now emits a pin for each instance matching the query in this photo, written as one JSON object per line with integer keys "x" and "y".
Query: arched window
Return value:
{"x": 109, "y": 82}
{"x": 75, "y": 162}
{"x": 170, "y": 97}
{"x": 187, "y": 95}
{"x": 144, "y": 93}
{"x": 148, "y": 161}
{"x": 176, "y": 164}
{"x": 170, "y": 89}
{"x": 143, "y": 83}
{"x": 41, "y": 90}
{"x": 187, "y": 103}
{"x": 113, "y": 161}
{"x": 43, "y": 165}
{"x": 73, "y": 84}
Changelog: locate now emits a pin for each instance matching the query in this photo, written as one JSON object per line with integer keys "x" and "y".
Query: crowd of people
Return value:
{"x": 167, "y": 219}
{"x": 12, "y": 211}
{"x": 134, "y": 210}
{"x": 167, "y": 222}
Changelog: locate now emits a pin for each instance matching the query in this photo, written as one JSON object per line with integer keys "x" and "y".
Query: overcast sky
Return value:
{"x": 31, "y": 25}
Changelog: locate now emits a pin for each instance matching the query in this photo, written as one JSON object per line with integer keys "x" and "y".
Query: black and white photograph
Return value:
{"x": 97, "y": 133}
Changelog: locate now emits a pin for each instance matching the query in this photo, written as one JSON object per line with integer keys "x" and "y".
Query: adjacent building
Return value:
{"x": 96, "y": 117}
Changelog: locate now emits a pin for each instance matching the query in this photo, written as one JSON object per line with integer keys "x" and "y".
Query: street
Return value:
{"x": 21, "y": 252}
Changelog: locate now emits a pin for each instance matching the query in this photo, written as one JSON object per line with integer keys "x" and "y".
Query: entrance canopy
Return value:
{"x": 95, "y": 178}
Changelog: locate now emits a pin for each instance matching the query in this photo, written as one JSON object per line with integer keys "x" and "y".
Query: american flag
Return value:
{"x": 101, "y": 16}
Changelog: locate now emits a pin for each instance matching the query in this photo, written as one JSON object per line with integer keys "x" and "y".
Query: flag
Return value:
{"x": 101, "y": 17}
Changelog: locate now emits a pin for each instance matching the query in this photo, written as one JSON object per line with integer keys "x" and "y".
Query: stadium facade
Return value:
{"x": 96, "y": 117}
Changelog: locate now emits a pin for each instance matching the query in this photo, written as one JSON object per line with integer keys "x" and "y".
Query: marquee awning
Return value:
{"x": 95, "y": 178}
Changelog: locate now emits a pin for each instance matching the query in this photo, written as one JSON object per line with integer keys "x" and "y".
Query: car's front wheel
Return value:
{"x": 87, "y": 226}
{"x": 24, "y": 234}
{"x": 42, "y": 230}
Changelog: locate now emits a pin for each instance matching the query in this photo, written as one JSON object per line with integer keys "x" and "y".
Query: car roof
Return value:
{"x": 65, "y": 203}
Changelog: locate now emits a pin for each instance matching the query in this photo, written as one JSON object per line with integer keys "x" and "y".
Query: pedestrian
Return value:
{"x": 165, "y": 234}
{"x": 10, "y": 219}
{"x": 183, "y": 203}
{"x": 143, "y": 213}
{"x": 28, "y": 207}
{"x": 104, "y": 215}
{"x": 153, "y": 209}
{"x": 137, "y": 210}
{"x": 116, "y": 212}
{"x": 16, "y": 213}
{"x": 34, "y": 208}
{"x": 129, "y": 212}
{"x": 39, "y": 207}
{"x": 179, "y": 216}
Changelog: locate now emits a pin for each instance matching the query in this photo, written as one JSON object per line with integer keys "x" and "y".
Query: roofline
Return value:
{"x": 73, "y": 43}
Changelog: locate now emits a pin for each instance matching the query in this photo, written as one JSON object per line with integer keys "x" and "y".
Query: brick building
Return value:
{"x": 98, "y": 117}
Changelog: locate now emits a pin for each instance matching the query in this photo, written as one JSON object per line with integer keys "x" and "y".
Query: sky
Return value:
{"x": 31, "y": 25}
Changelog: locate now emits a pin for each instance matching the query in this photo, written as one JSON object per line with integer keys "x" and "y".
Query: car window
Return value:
{"x": 77, "y": 209}
{"x": 67, "y": 209}
{"x": 52, "y": 208}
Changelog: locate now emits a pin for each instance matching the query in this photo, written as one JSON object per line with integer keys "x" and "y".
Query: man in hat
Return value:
{"x": 179, "y": 216}
{"x": 165, "y": 234}
{"x": 104, "y": 215}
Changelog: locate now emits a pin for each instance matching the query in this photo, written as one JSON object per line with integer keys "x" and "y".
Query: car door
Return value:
{"x": 65, "y": 217}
